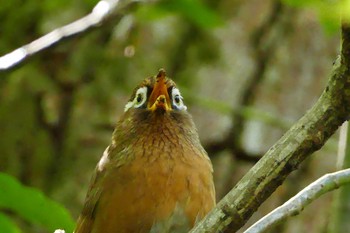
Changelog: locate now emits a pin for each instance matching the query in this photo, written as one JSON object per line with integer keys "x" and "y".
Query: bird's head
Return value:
{"x": 156, "y": 116}
{"x": 156, "y": 94}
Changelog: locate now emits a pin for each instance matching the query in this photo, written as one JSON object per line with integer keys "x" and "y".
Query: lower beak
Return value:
{"x": 160, "y": 103}
{"x": 159, "y": 98}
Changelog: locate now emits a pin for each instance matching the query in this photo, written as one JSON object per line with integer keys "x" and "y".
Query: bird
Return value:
{"x": 155, "y": 176}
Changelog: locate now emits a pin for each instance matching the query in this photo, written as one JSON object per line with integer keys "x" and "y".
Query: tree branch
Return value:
{"x": 103, "y": 10}
{"x": 296, "y": 204}
{"x": 308, "y": 135}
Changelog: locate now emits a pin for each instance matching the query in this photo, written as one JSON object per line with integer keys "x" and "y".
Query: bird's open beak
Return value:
{"x": 159, "y": 98}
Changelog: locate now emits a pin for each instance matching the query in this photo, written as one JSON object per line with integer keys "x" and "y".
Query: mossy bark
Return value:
{"x": 308, "y": 135}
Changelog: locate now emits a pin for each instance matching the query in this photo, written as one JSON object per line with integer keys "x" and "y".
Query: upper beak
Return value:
{"x": 159, "y": 98}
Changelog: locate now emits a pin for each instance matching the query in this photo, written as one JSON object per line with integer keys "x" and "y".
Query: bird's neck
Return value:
{"x": 141, "y": 133}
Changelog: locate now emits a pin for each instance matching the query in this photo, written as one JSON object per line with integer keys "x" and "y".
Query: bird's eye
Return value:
{"x": 139, "y": 100}
{"x": 177, "y": 100}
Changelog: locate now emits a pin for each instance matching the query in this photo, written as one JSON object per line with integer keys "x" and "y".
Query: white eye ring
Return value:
{"x": 177, "y": 99}
{"x": 139, "y": 100}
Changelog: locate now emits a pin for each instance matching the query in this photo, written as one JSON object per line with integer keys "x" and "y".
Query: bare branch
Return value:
{"x": 103, "y": 10}
{"x": 296, "y": 204}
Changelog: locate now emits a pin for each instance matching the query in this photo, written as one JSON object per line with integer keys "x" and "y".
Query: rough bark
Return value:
{"x": 308, "y": 135}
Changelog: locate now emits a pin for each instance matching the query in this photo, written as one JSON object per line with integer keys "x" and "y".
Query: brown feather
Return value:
{"x": 157, "y": 172}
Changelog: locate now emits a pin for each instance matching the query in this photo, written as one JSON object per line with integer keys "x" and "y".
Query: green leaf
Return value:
{"x": 33, "y": 206}
{"x": 329, "y": 12}
{"x": 7, "y": 225}
{"x": 193, "y": 10}
{"x": 55, "y": 5}
{"x": 301, "y": 3}
{"x": 330, "y": 24}
{"x": 151, "y": 13}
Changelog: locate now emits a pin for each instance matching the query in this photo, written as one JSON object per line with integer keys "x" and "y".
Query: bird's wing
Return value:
{"x": 87, "y": 216}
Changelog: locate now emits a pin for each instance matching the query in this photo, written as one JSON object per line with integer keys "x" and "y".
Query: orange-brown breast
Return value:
{"x": 160, "y": 168}
{"x": 143, "y": 193}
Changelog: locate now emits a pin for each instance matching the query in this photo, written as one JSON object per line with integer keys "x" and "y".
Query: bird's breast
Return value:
{"x": 161, "y": 178}
{"x": 155, "y": 169}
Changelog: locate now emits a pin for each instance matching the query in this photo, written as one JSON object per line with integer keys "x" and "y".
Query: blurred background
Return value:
{"x": 247, "y": 71}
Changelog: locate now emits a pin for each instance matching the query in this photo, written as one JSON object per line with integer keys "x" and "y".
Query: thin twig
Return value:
{"x": 102, "y": 11}
{"x": 296, "y": 204}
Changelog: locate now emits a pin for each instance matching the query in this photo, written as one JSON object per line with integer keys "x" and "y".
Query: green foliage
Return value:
{"x": 301, "y": 3}
{"x": 50, "y": 6}
{"x": 7, "y": 225}
{"x": 31, "y": 205}
{"x": 195, "y": 11}
{"x": 329, "y": 12}
{"x": 192, "y": 10}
